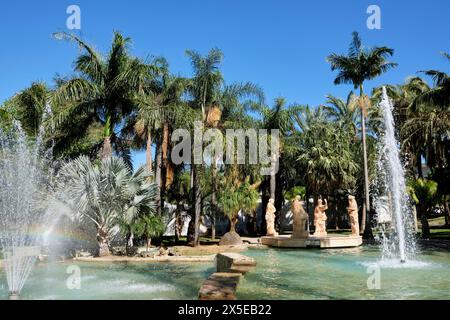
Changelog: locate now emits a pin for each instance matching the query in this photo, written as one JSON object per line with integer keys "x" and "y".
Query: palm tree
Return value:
{"x": 403, "y": 97}
{"x": 230, "y": 111}
{"x": 235, "y": 196}
{"x": 425, "y": 195}
{"x": 345, "y": 113}
{"x": 203, "y": 88}
{"x": 358, "y": 65}
{"x": 440, "y": 94}
{"x": 103, "y": 90}
{"x": 28, "y": 106}
{"x": 279, "y": 117}
{"x": 106, "y": 194}
{"x": 325, "y": 154}
{"x": 159, "y": 107}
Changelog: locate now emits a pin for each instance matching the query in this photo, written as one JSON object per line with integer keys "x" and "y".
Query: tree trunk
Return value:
{"x": 446, "y": 213}
{"x": 106, "y": 148}
{"x": 103, "y": 245}
{"x": 233, "y": 222}
{"x": 197, "y": 205}
{"x": 158, "y": 178}
{"x": 425, "y": 225}
{"x": 130, "y": 244}
{"x": 178, "y": 226}
{"x": 164, "y": 162}
{"x": 366, "y": 170}
{"x": 149, "y": 243}
{"x": 273, "y": 180}
{"x": 213, "y": 198}
{"x": 148, "y": 152}
{"x": 107, "y": 132}
{"x": 414, "y": 209}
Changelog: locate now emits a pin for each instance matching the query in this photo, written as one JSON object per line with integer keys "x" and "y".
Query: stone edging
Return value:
{"x": 222, "y": 285}
{"x": 206, "y": 258}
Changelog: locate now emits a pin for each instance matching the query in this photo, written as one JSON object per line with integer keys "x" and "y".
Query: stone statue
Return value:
{"x": 300, "y": 219}
{"x": 270, "y": 219}
{"x": 353, "y": 215}
{"x": 320, "y": 218}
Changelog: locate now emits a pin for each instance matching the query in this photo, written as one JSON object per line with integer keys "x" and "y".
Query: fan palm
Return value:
{"x": 357, "y": 66}
{"x": 106, "y": 194}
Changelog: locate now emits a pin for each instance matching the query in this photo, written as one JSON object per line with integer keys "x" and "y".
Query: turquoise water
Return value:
{"x": 280, "y": 274}
{"x": 344, "y": 274}
{"x": 124, "y": 281}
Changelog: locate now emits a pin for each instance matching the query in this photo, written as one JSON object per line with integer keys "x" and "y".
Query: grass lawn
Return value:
{"x": 443, "y": 234}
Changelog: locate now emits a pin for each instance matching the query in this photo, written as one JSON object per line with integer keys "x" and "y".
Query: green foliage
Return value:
{"x": 294, "y": 192}
{"x": 150, "y": 226}
{"x": 424, "y": 193}
{"x": 325, "y": 153}
{"x": 106, "y": 194}
{"x": 102, "y": 91}
{"x": 360, "y": 64}
{"x": 235, "y": 196}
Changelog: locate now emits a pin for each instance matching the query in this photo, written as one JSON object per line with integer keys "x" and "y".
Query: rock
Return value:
{"x": 147, "y": 254}
{"x": 230, "y": 239}
{"x": 42, "y": 258}
{"x": 131, "y": 251}
{"x": 220, "y": 286}
{"x": 230, "y": 262}
{"x": 163, "y": 251}
{"x": 82, "y": 254}
{"x": 119, "y": 251}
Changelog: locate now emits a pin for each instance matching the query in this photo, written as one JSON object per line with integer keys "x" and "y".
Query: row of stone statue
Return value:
{"x": 300, "y": 218}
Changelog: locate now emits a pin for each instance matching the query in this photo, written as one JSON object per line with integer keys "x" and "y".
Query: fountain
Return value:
{"x": 24, "y": 184}
{"x": 394, "y": 211}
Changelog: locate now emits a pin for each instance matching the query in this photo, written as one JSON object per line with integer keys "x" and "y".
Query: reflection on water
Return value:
{"x": 116, "y": 281}
{"x": 343, "y": 274}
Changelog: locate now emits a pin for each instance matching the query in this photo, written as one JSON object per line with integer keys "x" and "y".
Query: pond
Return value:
{"x": 123, "y": 281}
{"x": 344, "y": 274}
{"x": 279, "y": 274}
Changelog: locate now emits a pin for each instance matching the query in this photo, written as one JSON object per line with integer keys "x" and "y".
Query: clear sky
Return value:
{"x": 279, "y": 45}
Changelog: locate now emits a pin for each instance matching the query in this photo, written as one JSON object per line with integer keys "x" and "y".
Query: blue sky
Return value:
{"x": 279, "y": 45}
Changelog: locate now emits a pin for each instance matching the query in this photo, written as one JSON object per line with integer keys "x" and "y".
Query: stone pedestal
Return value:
{"x": 313, "y": 242}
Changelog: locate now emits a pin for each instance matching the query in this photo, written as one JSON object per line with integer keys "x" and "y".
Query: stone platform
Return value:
{"x": 222, "y": 285}
{"x": 285, "y": 241}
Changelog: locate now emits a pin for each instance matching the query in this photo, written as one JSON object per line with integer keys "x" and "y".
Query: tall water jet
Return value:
{"x": 393, "y": 205}
{"x": 24, "y": 184}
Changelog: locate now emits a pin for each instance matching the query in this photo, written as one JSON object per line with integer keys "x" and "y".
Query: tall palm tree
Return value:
{"x": 103, "y": 89}
{"x": 204, "y": 86}
{"x": 230, "y": 111}
{"x": 359, "y": 65}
